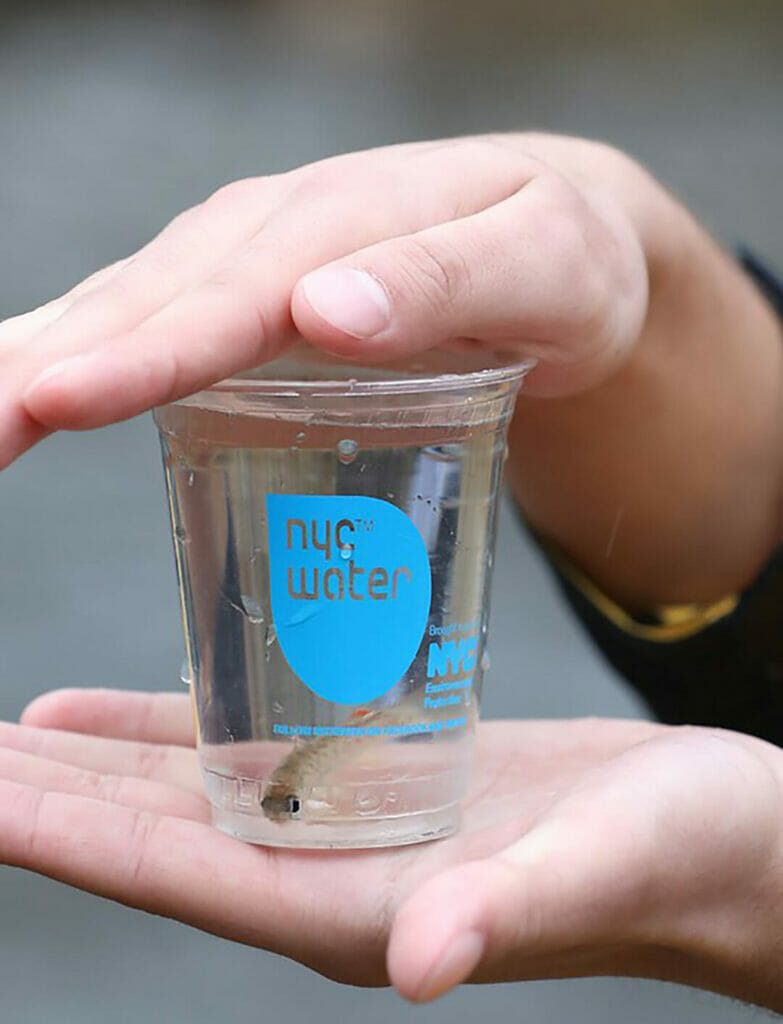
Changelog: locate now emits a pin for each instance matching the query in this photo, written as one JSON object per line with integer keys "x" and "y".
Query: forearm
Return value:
{"x": 665, "y": 483}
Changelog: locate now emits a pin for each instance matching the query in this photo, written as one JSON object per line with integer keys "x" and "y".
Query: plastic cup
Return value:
{"x": 334, "y": 530}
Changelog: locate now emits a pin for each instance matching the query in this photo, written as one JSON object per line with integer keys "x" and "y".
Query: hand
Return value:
{"x": 665, "y": 361}
{"x": 507, "y": 240}
{"x": 588, "y": 847}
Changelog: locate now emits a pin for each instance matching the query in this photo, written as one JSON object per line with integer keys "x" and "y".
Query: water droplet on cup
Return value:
{"x": 346, "y": 450}
{"x": 346, "y": 552}
{"x": 271, "y": 634}
{"x": 191, "y": 478}
{"x": 278, "y": 708}
{"x": 252, "y": 609}
{"x": 301, "y": 435}
{"x": 184, "y": 672}
{"x": 485, "y": 661}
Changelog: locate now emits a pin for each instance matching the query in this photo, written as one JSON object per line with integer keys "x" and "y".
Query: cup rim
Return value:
{"x": 394, "y": 382}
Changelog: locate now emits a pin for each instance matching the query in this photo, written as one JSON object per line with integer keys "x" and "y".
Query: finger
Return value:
{"x": 114, "y": 302}
{"x": 16, "y": 331}
{"x": 163, "y": 864}
{"x": 180, "y": 869}
{"x": 164, "y": 718}
{"x": 112, "y": 299}
{"x": 240, "y": 316}
{"x": 546, "y": 272}
{"x": 176, "y": 766}
{"x": 18, "y": 430}
{"x": 192, "y": 244}
{"x": 128, "y": 791}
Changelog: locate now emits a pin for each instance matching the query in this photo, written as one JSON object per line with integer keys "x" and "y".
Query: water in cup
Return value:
{"x": 334, "y": 567}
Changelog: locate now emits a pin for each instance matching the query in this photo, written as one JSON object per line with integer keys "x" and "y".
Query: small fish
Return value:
{"x": 292, "y": 782}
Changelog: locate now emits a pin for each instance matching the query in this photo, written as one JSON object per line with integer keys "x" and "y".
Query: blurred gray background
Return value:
{"x": 114, "y": 117}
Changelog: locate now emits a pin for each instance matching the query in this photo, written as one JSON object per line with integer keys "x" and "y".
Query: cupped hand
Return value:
{"x": 588, "y": 847}
{"x": 530, "y": 242}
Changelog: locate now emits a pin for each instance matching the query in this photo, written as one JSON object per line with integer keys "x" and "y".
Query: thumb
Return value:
{"x": 547, "y": 273}
{"x": 549, "y": 906}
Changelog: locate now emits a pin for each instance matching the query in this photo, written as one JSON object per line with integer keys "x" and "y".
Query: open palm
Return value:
{"x": 587, "y": 847}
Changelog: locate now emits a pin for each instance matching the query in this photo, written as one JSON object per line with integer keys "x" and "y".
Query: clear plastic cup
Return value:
{"x": 334, "y": 528}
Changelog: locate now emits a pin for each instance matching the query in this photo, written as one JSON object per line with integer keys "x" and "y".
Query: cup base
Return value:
{"x": 343, "y": 835}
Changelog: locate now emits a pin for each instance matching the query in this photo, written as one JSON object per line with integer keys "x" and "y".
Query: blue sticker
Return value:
{"x": 351, "y": 588}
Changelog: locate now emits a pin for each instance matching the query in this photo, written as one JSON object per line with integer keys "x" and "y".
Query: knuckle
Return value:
{"x": 315, "y": 181}
{"x": 700, "y": 734}
{"x": 221, "y": 197}
{"x": 98, "y": 786}
{"x": 347, "y": 175}
{"x": 253, "y": 340}
{"x": 575, "y": 259}
{"x": 437, "y": 274}
{"x": 592, "y": 301}
{"x": 31, "y": 809}
{"x": 119, "y": 292}
{"x": 228, "y": 196}
{"x": 565, "y": 238}
{"x": 147, "y": 714}
{"x": 502, "y": 147}
{"x": 192, "y": 236}
{"x": 162, "y": 375}
{"x": 255, "y": 321}
{"x": 151, "y": 760}
{"x": 142, "y": 829}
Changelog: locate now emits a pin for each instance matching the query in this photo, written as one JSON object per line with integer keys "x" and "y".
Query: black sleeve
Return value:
{"x": 724, "y": 666}
{"x": 728, "y": 673}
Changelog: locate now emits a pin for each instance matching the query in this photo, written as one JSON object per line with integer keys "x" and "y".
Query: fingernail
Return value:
{"x": 351, "y": 300}
{"x": 73, "y": 366}
{"x": 457, "y": 962}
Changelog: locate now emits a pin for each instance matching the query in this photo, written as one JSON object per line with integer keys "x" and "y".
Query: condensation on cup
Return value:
{"x": 333, "y": 530}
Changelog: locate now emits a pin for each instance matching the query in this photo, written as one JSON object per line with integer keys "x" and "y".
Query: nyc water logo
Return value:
{"x": 350, "y": 587}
